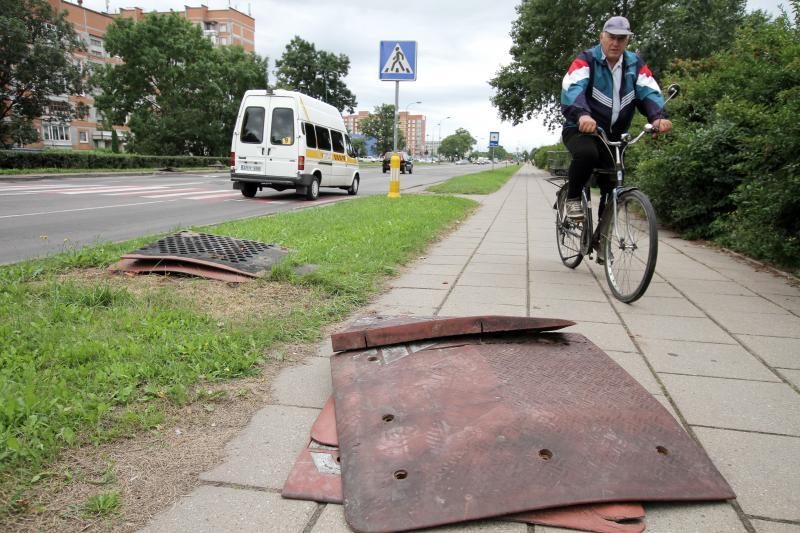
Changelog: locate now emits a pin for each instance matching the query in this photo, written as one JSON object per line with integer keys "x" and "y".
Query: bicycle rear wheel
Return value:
{"x": 630, "y": 245}
{"x": 569, "y": 233}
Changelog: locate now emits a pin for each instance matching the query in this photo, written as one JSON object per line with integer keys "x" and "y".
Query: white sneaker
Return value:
{"x": 574, "y": 210}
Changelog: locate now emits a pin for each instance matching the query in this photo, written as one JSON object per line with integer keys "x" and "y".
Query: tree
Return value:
{"x": 317, "y": 73}
{"x": 179, "y": 93}
{"x": 35, "y": 47}
{"x": 457, "y": 145}
{"x": 380, "y": 125}
{"x": 547, "y": 35}
{"x": 359, "y": 145}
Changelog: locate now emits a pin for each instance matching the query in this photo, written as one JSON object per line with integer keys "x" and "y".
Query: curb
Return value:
{"x": 104, "y": 174}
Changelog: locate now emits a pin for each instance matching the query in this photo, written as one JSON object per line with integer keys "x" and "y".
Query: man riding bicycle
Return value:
{"x": 602, "y": 88}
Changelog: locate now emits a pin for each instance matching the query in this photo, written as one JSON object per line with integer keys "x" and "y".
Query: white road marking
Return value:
{"x": 84, "y": 209}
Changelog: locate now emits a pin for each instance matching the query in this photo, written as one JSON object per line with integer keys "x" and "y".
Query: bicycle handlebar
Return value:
{"x": 625, "y": 140}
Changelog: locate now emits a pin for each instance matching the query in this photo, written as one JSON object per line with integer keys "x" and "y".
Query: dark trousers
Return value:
{"x": 588, "y": 153}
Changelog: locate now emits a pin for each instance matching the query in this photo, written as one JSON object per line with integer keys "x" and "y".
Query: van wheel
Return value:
{"x": 353, "y": 189}
{"x": 249, "y": 190}
{"x": 312, "y": 191}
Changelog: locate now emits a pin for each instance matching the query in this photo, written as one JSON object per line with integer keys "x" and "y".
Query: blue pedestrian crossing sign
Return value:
{"x": 398, "y": 61}
{"x": 494, "y": 138}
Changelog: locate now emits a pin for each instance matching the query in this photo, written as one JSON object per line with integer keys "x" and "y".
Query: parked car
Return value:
{"x": 406, "y": 165}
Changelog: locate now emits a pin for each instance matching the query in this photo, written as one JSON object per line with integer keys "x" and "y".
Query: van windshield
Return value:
{"x": 253, "y": 125}
{"x": 282, "y": 131}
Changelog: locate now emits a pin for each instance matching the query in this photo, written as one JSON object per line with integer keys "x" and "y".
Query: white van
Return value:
{"x": 287, "y": 140}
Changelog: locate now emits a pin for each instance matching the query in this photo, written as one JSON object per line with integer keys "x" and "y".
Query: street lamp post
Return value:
{"x": 410, "y": 151}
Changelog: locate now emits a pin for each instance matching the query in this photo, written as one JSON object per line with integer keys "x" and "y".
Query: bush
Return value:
{"x": 13, "y": 159}
{"x": 730, "y": 170}
{"x": 540, "y": 155}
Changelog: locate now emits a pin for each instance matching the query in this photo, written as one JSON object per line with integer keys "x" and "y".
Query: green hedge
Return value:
{"x": 13, "y": 159}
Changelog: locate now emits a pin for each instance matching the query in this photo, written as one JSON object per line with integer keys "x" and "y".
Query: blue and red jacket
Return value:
{"x": 587, "y": 89}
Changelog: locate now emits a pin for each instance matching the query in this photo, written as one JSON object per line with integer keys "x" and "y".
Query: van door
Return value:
{"x": 250, "y": 145}
{"x": 339, "y": 157}
{"x": 282, "y": 143}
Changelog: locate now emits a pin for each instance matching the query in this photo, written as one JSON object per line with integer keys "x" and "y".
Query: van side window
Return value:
{"x": 282, "y": 131}
{"x": 253, "y": 125}
{"x": 337, "y": 139}
{"x": 350, "y": 150}
{"x": 311, "y": 135}
{"x": 323, "y": 138}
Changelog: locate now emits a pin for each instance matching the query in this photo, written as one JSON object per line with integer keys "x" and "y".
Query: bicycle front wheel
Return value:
{"x": 569, "y": 233}
{"x": 630, "y": 245}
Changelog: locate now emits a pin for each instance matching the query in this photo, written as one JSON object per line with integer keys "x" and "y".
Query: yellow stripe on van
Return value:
{"x": 313, "y": 154}
{"x": 340, "y": 157}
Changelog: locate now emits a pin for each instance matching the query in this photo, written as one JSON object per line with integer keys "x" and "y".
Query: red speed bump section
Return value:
{"x": 600, "y": 517}
{"x": 324, "y": 428}
{"x": 316, "y": 475}
{"x": 374, "y": 331}
{"x": 490, "y": 427}
{"x": 163, "y": 266}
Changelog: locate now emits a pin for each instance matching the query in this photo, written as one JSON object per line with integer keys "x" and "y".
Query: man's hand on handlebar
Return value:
{"x": 586, "y": 124}
{"x": 662, "y": 125}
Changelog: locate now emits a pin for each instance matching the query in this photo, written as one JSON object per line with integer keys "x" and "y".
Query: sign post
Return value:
{"x": 398, "y": 62}
{"x": 494, "y": 140}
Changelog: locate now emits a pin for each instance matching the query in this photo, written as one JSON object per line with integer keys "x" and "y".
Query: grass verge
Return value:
{"x": 86, "y": 357}
{"x": 485, "y": 182}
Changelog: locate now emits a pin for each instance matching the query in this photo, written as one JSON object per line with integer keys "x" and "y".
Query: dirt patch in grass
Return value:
{"x": 154, "y": 468}
{"x": 220, "y": 299}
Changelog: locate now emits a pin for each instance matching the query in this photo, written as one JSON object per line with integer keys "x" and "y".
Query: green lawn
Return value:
{"x": 16, "y": 171}
{"x": 86, "y": 356}
{"x": 485, "y": 182}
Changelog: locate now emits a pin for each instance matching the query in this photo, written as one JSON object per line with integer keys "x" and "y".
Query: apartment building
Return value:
{"x": 412, "y": 126}
{"x": 84, "y": 131}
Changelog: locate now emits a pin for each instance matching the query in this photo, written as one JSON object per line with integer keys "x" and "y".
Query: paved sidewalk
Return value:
{"x": 714, "y": 339}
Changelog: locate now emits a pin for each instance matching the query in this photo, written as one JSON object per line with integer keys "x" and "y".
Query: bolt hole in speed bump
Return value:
{"x": 576, "y": 428}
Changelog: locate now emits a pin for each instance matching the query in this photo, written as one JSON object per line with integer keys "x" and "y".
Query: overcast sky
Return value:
{"x": 461, "y": 45}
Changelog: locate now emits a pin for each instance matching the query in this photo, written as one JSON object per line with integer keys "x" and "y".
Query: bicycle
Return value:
{"x": 626, "y": 239}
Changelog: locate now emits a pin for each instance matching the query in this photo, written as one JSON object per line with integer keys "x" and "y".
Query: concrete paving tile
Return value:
{"x": 634, "y": 364}
{"x": 784, "y": 325}
{"x": 263, "y": 454}
{"x": 659, "y": 306}
{"x": 488, "y": 295}
{"x": 442, "y": 249}
{"x": 790, "y": 303}
{"x": 475, "y": 267}
{"x": 718, "y": 517}
{"x": 664, "y": 401}
{"x": 445, "y": 259}
{"x": 607, "y": 336}
{"x": 306, "y": 385}
{"x": 503, "y": 249}
{"x": 416, "y": 297}
{"x": 692, "y": 286}
{"x": 573, "y": 310}
{"x": 775, "y": 285}
{"x": 494, "y": 280}
{"x": 704, "y": 359}
{"x": 658, "y": 289}
{"x": 677, "y": 328}
{"x": 547, "y": 263}
{"x": 578, "y": 276}
{"x": 567, "y": 292}
{"x": 726, "y": 302}
{"x": 758, "y": 468}
{"x": 764, "y": 526}
{"x": 735, "y": 403}
{"x": 779, "y": 352}
{"x": 424, "y": 268}
{"x": 469, "y": 308}
{"x": 332, "y": 521}
{"x": 495, "y": 258}
{"x": 324, "y": 348}
{"x": 222, "y": 509}
{"x": 792, "y": 376}
{"x": 686, "y": 269}
{"x": 412, "y": 280}
{"x": 411, "y": 310}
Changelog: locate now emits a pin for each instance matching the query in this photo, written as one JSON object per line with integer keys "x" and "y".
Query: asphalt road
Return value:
{"x": 44, "y": 216}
